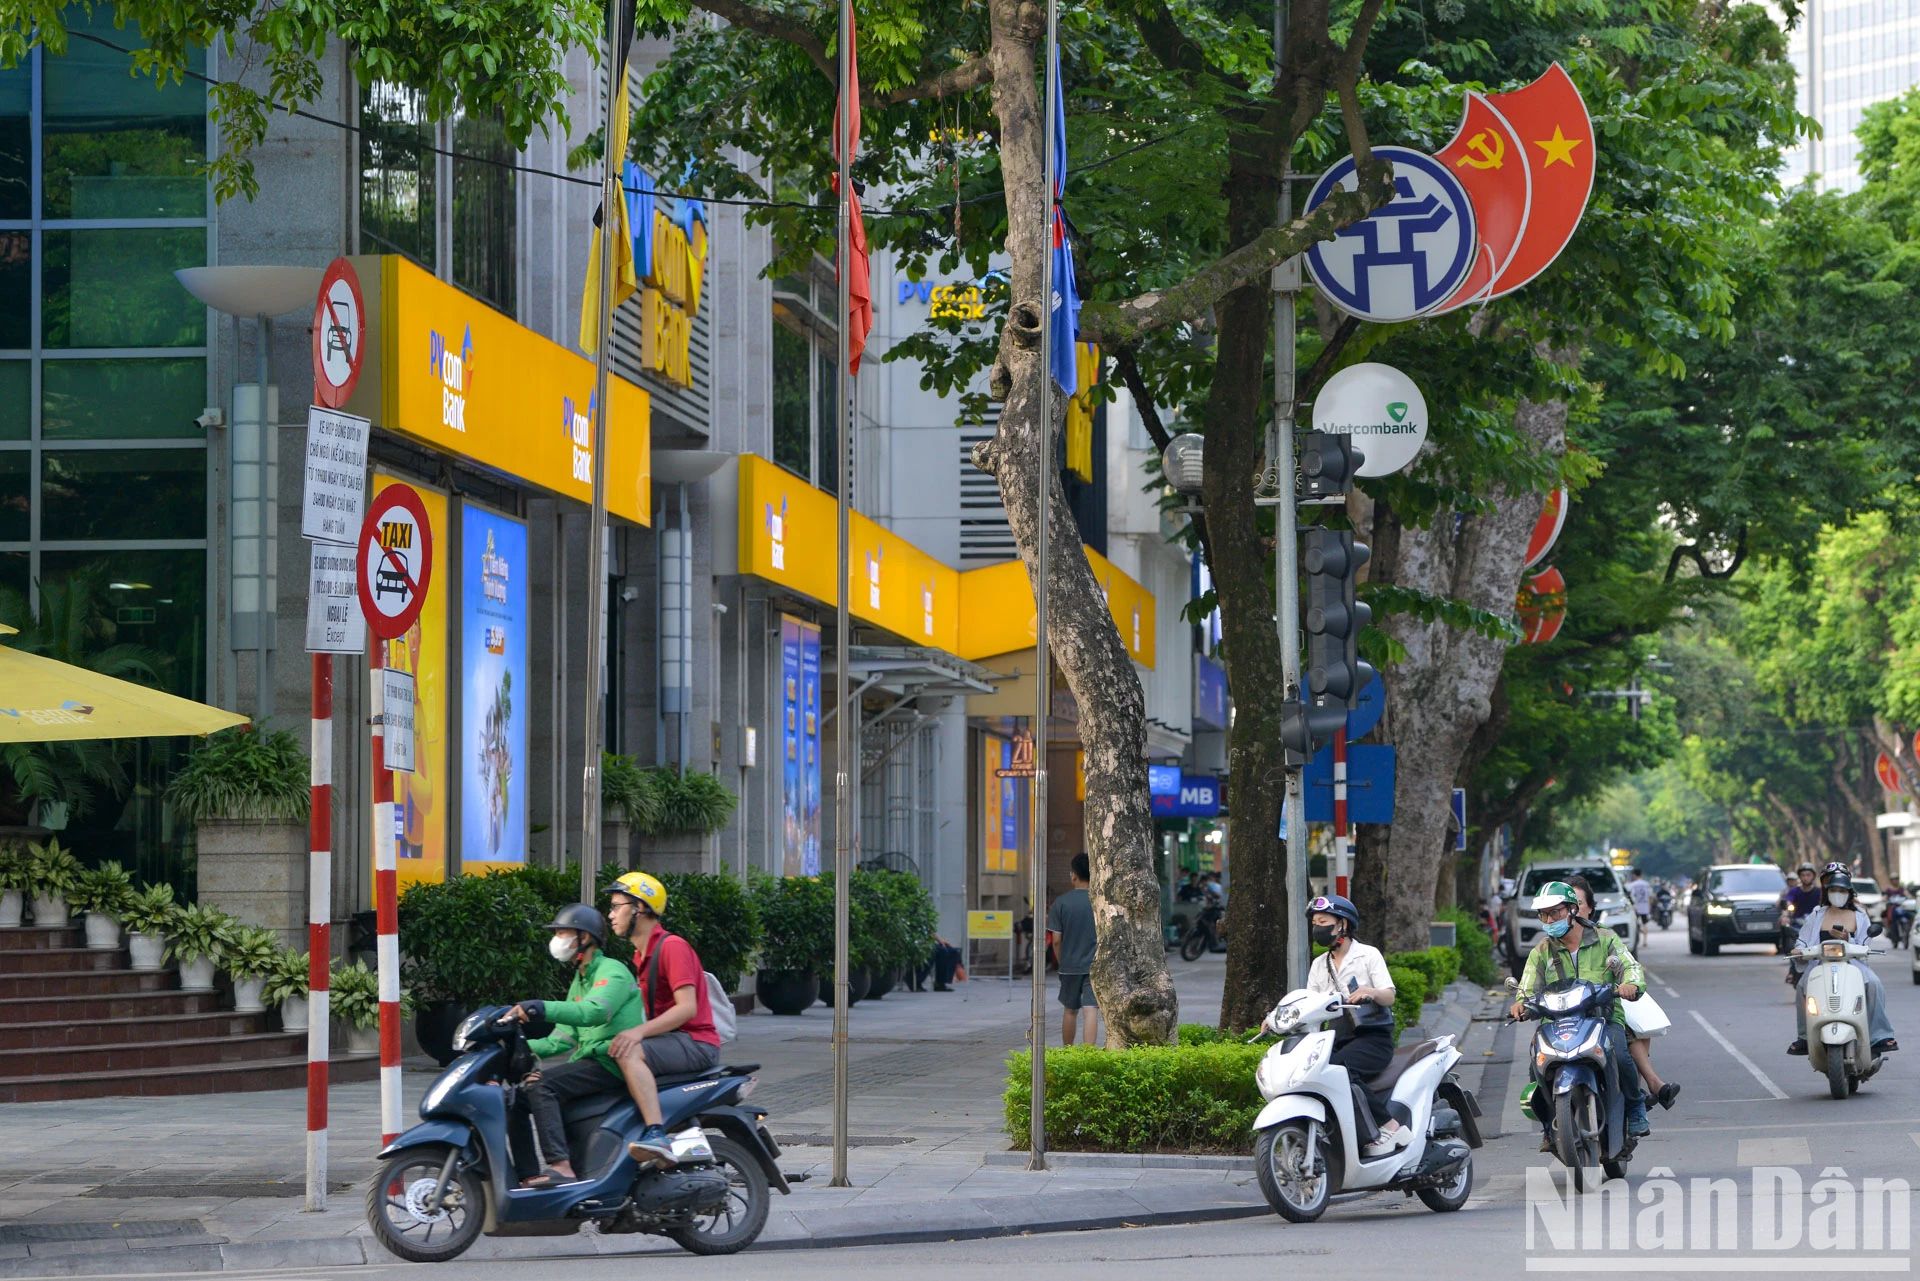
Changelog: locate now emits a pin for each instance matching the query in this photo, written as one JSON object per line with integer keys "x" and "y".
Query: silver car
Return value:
{"x": 1609, "y": 900}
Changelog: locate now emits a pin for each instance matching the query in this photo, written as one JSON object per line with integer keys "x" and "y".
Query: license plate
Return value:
{"x": 1756, "y": 925}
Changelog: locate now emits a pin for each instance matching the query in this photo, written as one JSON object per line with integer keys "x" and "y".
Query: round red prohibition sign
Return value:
{"x": 395, "y": 560}
{"x": 339, "y": 324}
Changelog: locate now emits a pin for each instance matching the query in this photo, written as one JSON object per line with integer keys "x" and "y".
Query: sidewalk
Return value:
{"x": 122, "y": 1186}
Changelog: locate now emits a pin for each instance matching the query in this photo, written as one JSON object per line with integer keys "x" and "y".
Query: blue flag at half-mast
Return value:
{"x": 1064, "y": 307}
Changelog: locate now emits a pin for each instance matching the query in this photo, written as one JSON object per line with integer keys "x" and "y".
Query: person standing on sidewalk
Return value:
{"x": 1070, "y": 922}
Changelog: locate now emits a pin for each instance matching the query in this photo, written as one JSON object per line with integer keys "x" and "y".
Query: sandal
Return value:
{"x": 548, "y": 1178}
{"x": 1667, "y": 1094}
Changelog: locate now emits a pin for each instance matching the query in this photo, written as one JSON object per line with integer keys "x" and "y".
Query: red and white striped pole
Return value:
{"x": 386, "y": 909}
{"x": 319, "y": 929}
{"x": 1342, "y": 841}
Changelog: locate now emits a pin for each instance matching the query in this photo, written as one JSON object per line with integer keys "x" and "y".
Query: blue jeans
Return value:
{"x": 1879, "y": 1026}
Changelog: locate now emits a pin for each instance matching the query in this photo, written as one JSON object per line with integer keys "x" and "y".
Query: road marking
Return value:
{"x": 1914, "y": 1137}
{"x": 1766, "y": 1082}
{"x": 1664, "y": 985}
{"x": 1789, "y": 1150}
{"x": 1721, "y": 1263}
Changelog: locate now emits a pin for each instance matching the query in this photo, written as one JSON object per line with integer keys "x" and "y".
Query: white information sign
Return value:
{"x": 334, "y": 622}
{"x": 1379, "y": 407}
{"x": 335, "y": 496}
{"x": 396, "y": 719}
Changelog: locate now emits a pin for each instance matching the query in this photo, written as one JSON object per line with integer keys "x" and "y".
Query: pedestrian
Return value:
{"x": 1070, "y": 923}
{"x": 941, "y": 964}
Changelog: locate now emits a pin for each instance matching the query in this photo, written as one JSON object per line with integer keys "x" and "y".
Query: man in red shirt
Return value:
{"x": 678, "y": 1037}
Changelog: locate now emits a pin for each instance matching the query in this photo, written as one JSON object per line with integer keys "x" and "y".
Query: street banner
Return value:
{"x": 800, "y": 745}
{"x": 1546, "y": 530}
{"x": 1542, "y": 606}
{"x": 1489, "y": 159}
{"x": 1550, "y": 116}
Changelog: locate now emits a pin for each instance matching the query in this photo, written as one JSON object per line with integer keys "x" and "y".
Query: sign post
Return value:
{"x": 395, "y": 559}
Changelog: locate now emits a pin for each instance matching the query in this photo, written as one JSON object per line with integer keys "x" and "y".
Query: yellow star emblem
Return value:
{"x": 1559, "y": 148}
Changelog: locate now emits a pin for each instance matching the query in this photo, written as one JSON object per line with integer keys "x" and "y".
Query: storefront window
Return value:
{"x": 16, "y": 568}
{"x": 116, "y": 288}
{"x": 16, "y": 390}
{"x": 86, "y": 493}
{"x": 133, "y": 399}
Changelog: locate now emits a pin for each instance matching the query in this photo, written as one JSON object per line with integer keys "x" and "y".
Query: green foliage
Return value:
{"x": 796, "y": 914}
{"x": 52, "y": 872}
{"x": 715, "y": 913}
{"x": 1184, "y": 1098}
{"x": 198, "y": 931}
{"x": 244, "y": 773}
{"x": 151, "y": 911}
{"x": 629, "y": 790}
{"x": 250, "y": 952}
{"x": 662, "y": 801}
{"x": 1409, "y": 992}
{"x": 481, "y": 940}
{"x": 287, "y": 975}
{"x": 107, "y": 888}
{"x": 1473, "y": 945}
{"x": 1191, "y": 1034}
{"x": 1438, "y": 966}
{"x": 902, "y": 918}
{"x": 354, "y": 995}
{"x": 13, "y": 865}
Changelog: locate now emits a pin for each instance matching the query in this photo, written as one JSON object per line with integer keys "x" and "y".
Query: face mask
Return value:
{"x": 563, "y": 947}
{"x": 1558, "y": 929}
{"x": 1838, "y": 898}
{"x": 1322, "y": 935}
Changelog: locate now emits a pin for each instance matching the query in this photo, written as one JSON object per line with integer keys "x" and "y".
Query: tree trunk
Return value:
{"x": 1129, "y": 976}
{"x": 1442, "y": 692}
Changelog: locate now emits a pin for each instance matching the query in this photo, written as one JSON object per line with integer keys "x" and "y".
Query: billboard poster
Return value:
{"x": 420, "y": 818}
{"x": 800, "y": 746}
{"x": 1006, "y": 801}
{"x": 494, "y": 691}
{"x": 810, "y": 750}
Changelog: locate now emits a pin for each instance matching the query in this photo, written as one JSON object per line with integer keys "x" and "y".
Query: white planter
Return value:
{"x": 149, "y": 950}
{"x": 293, "y": 1014}
{"x": 11, "y": 902}
{"x": 197, "y": 976}
{"x": 103, "y": 932}
{"x": 246, "y": 996}
{"x": 363, "y": 1040}
{"x": 49, "y": 911}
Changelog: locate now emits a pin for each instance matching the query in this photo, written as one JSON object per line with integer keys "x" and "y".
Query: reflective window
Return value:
{"x": 16, "y": 394}
{"x": 792, "y": 401}
{"x": 16, "y": 142}
{"x": 397, "y": 170}
{"x": 123, "y": 493}
{"x": 16, "y": 290}
{"x": 16, "y": 493}
{"x": 132, "y": 399}
{"x": 483, "y": 211}
{"x": 116, "y": 288}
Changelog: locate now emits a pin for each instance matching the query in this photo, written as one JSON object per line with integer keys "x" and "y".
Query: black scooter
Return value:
{"x": 1663, "y": 907}
{"x": 1204, "y": 934}
{"x": 449, "y": 1179}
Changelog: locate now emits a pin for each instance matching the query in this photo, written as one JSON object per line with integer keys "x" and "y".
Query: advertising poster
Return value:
{"x": 494, "y": 691}
{"x": 1006, "y": 802}
{"x": 810, "y": 749}
{"x": 419, "y": 798}
{"x": 800, "y": 746}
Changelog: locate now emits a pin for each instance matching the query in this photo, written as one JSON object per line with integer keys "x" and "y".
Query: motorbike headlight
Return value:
{"x": 1833, "y": 950}
{"x": 1560, "y": 1002}
{"x": 463, "y": 1035}
{"x": 1813, "y": 1005}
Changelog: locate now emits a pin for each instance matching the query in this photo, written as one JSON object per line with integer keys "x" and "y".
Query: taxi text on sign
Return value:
{"x": 453, "y": 373}
{"x": 394, "y": 560}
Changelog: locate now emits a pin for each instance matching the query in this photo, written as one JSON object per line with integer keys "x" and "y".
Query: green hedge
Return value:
{"x": 1474, "y": 944}
{"x": 1185, "y": 1098}
{"x": 1438, "y": 965}
{"x": 1202, "y": 1034}
{"x": 1409, "y": 990}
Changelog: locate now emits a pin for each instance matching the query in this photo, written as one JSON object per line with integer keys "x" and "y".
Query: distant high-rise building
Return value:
{"x": 1848, "y": 55}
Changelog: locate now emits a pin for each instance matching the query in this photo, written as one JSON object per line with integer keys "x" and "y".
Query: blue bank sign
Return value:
{"x": 1198, "y": 797}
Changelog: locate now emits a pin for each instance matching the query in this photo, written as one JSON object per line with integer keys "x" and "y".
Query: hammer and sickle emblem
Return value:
{"x": 1490, "y": 148}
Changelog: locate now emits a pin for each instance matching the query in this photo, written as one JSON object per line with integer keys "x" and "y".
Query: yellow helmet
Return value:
{"x": 647, "y": 889}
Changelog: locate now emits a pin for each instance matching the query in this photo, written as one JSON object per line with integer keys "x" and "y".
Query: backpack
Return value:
{"x": 719, "y": 1002}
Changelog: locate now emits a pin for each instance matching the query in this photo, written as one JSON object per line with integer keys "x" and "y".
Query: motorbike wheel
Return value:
{"x": 1283, "y": 1159}
{"x": 1193, "y": 945}
{"x": 1574, "y": 1141}
{"x": 1836, "y": 1073}
{"x": 1454, "y": 1195}
{"x": 397, "y": 1213}
{"x": 735, "y": 1226}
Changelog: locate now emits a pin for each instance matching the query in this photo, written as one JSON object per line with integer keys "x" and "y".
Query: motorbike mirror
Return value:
{"x": 1513, "y": 984}
{"x": 1875, "y": 930}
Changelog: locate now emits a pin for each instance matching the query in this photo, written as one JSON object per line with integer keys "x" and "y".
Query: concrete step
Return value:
{"x": 29, "y": 937}
{"x": 145, "y": 1056}
{"x": 97, "y": 983}
{"x": 61, "y": 960}
{"x": 285, "y": 1073}
{"x": 161, "y": 998}
{"x": 59, "y": 1033}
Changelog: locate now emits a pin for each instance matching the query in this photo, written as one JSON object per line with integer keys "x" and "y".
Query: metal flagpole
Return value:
{"x": 319, "y": 927}
{"x": 1042, "y": 681}
{"x": 843, "y": 630}
{"x": 597, "y": 520}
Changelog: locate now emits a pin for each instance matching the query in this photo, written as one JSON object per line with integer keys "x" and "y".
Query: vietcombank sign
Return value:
{"x": 1380, "y": 408}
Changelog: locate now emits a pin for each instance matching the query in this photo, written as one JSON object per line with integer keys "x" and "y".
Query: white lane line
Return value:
{"x": 1790, "y": 1150}
{"x": 1914, "y": 1137}
{"x": 1766, "y": 1082}
{"x": 1664, "y": 985}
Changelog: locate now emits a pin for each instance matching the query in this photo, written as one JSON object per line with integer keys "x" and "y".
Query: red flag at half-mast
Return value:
{"x": 859, "y": 317}
{"x": 1550, "y": 117}
{"x": 1488, "y": 158}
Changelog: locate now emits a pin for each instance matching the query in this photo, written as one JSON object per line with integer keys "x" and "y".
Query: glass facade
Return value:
{"x": 103, "y": 373}
{"x": 804, "y": 342}
{"x": 1846, "y": 57}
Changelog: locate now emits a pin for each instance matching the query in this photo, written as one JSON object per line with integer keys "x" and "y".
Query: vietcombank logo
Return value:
{"x": 1393, "y": 421}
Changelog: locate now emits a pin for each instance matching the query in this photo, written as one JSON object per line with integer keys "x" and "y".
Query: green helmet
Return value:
{"x": 1554, "y": 893}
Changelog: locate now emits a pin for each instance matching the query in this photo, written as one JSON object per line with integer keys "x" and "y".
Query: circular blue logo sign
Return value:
{"x": 1411, "y": 255}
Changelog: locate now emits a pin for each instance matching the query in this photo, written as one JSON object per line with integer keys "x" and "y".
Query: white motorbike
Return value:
{"x": 1838, "y": 1043}
{"x": 1308, "y": 1147}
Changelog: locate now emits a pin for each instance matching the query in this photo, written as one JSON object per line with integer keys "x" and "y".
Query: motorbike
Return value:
{"x": 1576, "y": 1092}
{"x": 1204, "y": 934}
{"x": 1899, "y": 916}
{"x": 1663, "y": 907}
{"x": 451, "y": 1178}
{"x": 1838, "y": 1044}
{"x": 1789, "y": 933}
{"x": 1307, "y": 1147}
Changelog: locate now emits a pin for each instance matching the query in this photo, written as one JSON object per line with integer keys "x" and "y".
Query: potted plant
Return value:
{"x": 148, "y": 917}
{"x": 13, "y": 884}
{"x": 103, "y": 894}
{"x": 355, "y": 998}
{"x": 248, "y": 955}
{"x": 687, "y": 808}
{"x": 478, "y": 940}
{"x": 52, "y": 875}
{"x": 796, "y": 914}
{"x": 247, "y": 792}
{"x": 286, "y": 986}
{"x": 629, "y": 803}
{"x": 195, "y": 939}
{"x": 715, "y": 913}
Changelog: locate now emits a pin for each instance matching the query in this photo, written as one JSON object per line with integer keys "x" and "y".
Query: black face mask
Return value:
{"x": 1323, "y": 935}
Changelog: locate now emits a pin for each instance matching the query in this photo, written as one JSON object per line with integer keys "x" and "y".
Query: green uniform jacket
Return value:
{"x": 602, "y": 1002}
{"x": 1549, "y": 963}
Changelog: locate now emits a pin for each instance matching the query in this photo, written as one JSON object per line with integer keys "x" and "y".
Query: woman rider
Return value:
{"x": 1364, "y": 1046}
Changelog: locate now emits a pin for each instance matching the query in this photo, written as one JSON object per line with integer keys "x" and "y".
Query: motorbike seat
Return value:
{"x": 682, "y": 1078}
{"x": 1403, "y": 1058}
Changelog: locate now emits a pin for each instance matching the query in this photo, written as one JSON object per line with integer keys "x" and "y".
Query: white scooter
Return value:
{"x": 1838, "y": 1043}
{"x": 1308, "y": 1149}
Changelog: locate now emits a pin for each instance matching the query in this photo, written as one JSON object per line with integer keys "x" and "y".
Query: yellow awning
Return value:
{"x": 42, "y": 699}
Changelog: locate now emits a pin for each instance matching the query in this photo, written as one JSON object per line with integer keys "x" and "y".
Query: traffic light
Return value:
{"x": 1335, "y": 675}
{"x": 1328, "y": 464}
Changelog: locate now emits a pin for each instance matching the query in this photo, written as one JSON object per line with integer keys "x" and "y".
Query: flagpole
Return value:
{"x": 1042, "y": 696}
{"x": 597, "y": 519}
{"x": 843, "y": 631}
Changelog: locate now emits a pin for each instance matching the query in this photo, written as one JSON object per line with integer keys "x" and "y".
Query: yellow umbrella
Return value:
{"x": 42, "y": 700}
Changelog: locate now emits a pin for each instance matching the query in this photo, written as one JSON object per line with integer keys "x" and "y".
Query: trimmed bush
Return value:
{"x": 1201, "y": 1034}
{"x": 715, "y": 913}
{"x": 797, "y": 915}
{"x": 1448, "y": 963}
{"x": 1198, "y": 1098}
{"x": 1437, "y": 965}
{"x": 1409, "y": 990}
{"x": 1474, "y": 944}
{"x": 481, "y": 940}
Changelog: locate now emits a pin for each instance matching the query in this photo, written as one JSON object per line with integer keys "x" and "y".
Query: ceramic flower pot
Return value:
{"x": 197, "y": 976}
{"x": 293, "y": 1014}
{"x": 103, "y": 932}
{"x": 49, "y": 911}
{"x": 246, "y": 996}
{"x": 12, "y": 902}
{"x": 787, "y": 991}
{"x": 149, "y": 951}
{"x": 363, "y": 1040}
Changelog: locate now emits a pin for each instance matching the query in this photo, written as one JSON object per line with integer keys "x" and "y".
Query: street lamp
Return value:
{"x": 1180, "y": 463}
{"x": 259, "y": 292}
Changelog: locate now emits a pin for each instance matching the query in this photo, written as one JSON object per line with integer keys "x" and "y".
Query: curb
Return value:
{"x": 1126, "y": 1161}
{"x": 215, "y": 1256}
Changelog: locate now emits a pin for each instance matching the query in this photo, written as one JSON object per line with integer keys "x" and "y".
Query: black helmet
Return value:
{"x": 1337, "y": 904}
{"x": 581, "y": 917}
{"x": 1836, "y": 877}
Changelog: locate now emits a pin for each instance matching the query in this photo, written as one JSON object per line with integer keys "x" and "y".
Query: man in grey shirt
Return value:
{"x": 1070, "y": 922}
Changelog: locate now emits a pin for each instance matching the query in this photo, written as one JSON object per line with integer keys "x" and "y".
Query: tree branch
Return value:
{"x": 1695, "y": 553}
{"x": 1348, "y": 84}
{"x": 1129, "y": 370}
{"x": 972, "y": 74}
{"x": 1160, "y": 30}
{"x": 778, "y": 26}
{"x": 1323, "y": 363}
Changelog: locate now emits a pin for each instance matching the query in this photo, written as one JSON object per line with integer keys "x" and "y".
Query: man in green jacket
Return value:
{"x": 602, "y": 1001}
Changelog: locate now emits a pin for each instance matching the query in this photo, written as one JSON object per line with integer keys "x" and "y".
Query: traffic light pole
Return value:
{"x": 1286, "y": 571}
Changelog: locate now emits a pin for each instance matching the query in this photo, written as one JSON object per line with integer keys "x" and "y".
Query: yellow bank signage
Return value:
{"x": 996, "y": 610}
{"x": 454, "y": 374}
{"x": 670, "y": 250}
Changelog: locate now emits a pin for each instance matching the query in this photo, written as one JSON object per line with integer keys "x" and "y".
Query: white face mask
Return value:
{"x": 563, "y": 947}
{"x": 1837, "y": 898}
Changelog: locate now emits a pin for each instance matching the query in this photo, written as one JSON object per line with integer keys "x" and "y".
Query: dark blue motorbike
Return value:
{"x": 451, "y": 1178}
{"x": 1576, "y": 1090}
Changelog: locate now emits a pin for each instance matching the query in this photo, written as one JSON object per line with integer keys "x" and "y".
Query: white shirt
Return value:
{"x": 1362, "y": 966}
{"x": 1811, "y": 929}
{"x": 1642, "y": 892}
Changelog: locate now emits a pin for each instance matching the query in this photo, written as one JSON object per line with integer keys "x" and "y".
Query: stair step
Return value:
{"x": 97, "y": 983}
{"x": 145, "y": 1056}
{"x": 61, "y": 960}
{"x": 285, "y": 1073}
{"x": 57, "y": 1033}
{"x": 23, "y": 938}
{"x": 107, "y": 1005}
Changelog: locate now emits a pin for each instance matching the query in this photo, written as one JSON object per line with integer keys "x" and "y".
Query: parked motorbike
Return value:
{"x": 449, "y": 1179}
{"x": 1308, "y": 1145}
{"x": 1575, "y": 1091}
{"x": 1204, "y": 934}
{"x": 1663, "y": 907}
{"x": 1838, "y": 1044}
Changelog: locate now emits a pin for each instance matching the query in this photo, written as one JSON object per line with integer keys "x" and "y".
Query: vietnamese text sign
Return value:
{"x": 495, "y": 697}
{"x": 989, "y": 925}
{"x": 800, "y": 745}
{"x": 396, "y": 719}
{"x": 336, "y": 475}
{"x": 334, "y": 623}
